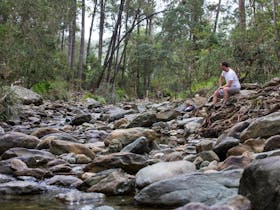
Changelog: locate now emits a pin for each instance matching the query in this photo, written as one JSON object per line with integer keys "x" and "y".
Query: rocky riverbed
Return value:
{"x": 83, "y": 155}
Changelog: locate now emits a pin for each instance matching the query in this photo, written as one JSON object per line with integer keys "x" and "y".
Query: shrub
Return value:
{"x": 53, "y": 90}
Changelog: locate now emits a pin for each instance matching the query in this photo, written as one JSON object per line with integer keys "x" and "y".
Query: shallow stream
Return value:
{"x": 49, "y": 202}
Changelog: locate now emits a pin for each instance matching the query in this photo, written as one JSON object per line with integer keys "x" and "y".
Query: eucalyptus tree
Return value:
{"x": 72, "y": 35}
{"x": 275, "y": 6}
{"x": 217, "y": 16}
{"x": 81, "y": 55}
{"x": 255, "y": 47}
{"x": 28, "y": 44}
{"x": 132, "y": 14}
{"x": 90, "y": 31}
{"x": 242, "y": 13}
{"x": 101, "y": 29}
{"x": 184, "y": 29}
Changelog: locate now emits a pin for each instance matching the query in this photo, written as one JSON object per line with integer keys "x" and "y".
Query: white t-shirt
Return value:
{"x": 231, "y": 75}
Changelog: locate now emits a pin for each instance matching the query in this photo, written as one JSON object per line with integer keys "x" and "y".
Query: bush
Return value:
{"x": 53, "y": 90}
{"x": 206, "y": 84}
{"x": 41, "y": 87}
{"x": 95, "y": 97}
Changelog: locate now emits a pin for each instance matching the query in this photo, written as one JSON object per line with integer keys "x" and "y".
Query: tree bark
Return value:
{"x": 242, "y": 14}
{"x": 73, "y": 37}
{"x": 106, "y": 61}
{"x": 111, "y": 49}
{"x": 62, "y": 41}
{"x": 217, "y": 17}
{"x": 276, "y": 30}
{"x": 82, "y": 46}
{"x": 114, "y": 39}
{"x": 101, "y": 30}
{"x": 117, "y": 59}
{"x": 90, "y": 31}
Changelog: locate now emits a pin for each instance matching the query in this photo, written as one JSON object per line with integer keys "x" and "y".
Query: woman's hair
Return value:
{"x": 226, "y": 64}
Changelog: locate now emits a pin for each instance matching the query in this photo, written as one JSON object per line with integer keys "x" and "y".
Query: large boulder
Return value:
{"x": 11, "y": 165}
{"x": 80, "y": 119}
{"x": 21, "y": 188}
{"x": 192, "y": 125}
{"x": 129, "y": 162}
{"x": 237, "y": 202}
{"x": 273, "y": 143}
{"x": 16, "y": 167}
{"x": 143, "y": 120}
{"x": 234, "y": 162}
{"x": 32, "y": 157}
{"x": 224, "y": 145}
{"x": 40, "y": 132}
{"x": 58, "y": 147}
{"x": 46, "y": 140}
{"x": 116, "y": 113}
{"x": 260, "y": 183}
{"x": 123, "y": 137}
{"x": 111, "y": 182}
{"x": 27, "y": 96}
{"x": 65, "y": 181}
{"x": 38, "y": 173}
{"x": 266, "y": 126}
{"x": 167, "y": 115}
{"x": 162, "y": 170}
{"x": 183, "y": 189}
{"x": 2, "y": 132}
{"x": 15, "y": 139}
{"x": 6, "y": 178}
{"x": 141, "y": 145}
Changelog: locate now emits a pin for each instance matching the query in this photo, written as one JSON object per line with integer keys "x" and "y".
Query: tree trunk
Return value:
{"x": 111, "y": 49}
{"x": 69, "y": 44}
{"x": 82, "y": 46}
{"x": 114, "y": 40}
{"x": 123, "y": 57}
{"x": 276, "y": 30}
{"x": 101, "y": 30}
{"x": 217, "y": 17}
{"x": 117, "y": 59}
{"x": 253, "y": 5}
{"x": 73, "y": 37}
{"x": 124, "y": 37}
{"x": 62, "y": 41}
{"x": 90, "y": 31}
{"x": 242, "y": 14}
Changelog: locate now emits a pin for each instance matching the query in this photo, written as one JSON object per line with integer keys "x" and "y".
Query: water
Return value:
{"x": 48, "y": 202}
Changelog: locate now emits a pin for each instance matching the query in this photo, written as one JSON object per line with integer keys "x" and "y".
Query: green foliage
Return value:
{"x": 53, "y": 90}
{"x": 58, "y": 91}
{"x": 204, "y": 84}
{"x": 88, "y": 95}
{"x": 143, "y": 57}
{"x": 180, "y": 58}
{"x": 91, "y": 72}
{"x": 28, "y": 42}
{"x": 98, "y": 98}
{"x": 42, "y": 87}
{"x": 120, "y": 94}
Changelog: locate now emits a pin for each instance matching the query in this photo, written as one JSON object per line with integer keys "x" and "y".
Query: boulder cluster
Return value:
{"x": 162, "y": 154}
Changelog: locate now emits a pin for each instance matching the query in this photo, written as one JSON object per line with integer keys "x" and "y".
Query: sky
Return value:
{"x": 108, "y": 34}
